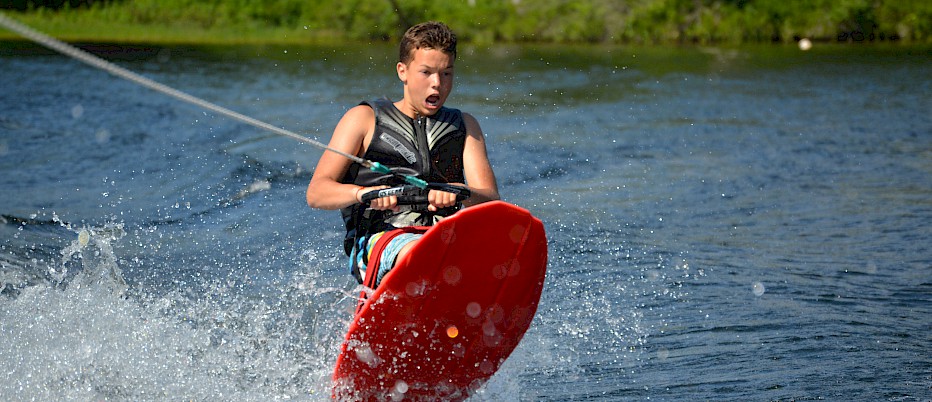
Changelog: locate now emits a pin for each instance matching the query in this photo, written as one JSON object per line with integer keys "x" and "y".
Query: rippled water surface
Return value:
{"x": 737, "y": 224}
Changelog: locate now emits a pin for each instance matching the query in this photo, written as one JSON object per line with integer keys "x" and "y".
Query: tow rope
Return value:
{"x": 94, "y": 61}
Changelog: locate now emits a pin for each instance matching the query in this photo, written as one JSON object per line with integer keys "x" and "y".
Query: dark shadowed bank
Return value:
{"x": 542, "y": 21}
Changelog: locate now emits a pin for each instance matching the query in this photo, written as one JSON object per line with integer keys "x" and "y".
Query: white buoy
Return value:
{"x": 805, "y": 44}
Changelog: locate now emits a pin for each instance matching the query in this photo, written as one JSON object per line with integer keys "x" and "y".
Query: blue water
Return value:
{"x": 724, "y": 224}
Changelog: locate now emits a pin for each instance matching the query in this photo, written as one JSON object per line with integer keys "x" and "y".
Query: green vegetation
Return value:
{"x": 483, "y": 21}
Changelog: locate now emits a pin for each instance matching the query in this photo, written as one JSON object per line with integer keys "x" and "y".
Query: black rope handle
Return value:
{"x": 412, "y": 195}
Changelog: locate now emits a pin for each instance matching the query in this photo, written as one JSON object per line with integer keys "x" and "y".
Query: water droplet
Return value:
{"x": 499, "y": 271}
{"x": 103, "y": 135}
{"x": 473, "y": 310}
{"x": 366, "y": 355}
{"x": 516, "y": 234}
{"x": 486, "y": 366}
{"x": 452, "y": 275}
{"x": 488, "y": 328}
{"x": 83, "y": 237}
{"x": 496, "y": 313}
{"x": 415, "y": 289}
{"x": 758, "y": 289}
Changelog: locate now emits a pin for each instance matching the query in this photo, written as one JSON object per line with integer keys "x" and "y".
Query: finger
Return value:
{"x": 449, "y": 199}
{"x": 378, "y": 203}
{"x": 386, "y": 203}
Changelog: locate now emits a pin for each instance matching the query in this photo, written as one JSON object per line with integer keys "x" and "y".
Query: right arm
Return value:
{"x": 325, "y": 190}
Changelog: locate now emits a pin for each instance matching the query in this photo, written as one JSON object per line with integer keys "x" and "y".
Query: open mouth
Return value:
{"x": 433, "y": 100}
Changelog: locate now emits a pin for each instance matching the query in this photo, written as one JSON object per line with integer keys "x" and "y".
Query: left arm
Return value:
{"x": 477, "y": 168}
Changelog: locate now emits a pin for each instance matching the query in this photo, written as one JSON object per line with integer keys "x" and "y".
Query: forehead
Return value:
{"x": 431, "y": 58}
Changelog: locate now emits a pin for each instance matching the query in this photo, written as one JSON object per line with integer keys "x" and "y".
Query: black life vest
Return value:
{"x": 430, "y": 147}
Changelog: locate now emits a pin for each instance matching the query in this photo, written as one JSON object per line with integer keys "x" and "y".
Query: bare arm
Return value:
{"x": 325, "y": 190}
{"x": 478, "y": 169}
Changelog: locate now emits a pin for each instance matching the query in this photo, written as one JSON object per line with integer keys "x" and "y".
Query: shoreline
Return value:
{"x": 81, "y": 28}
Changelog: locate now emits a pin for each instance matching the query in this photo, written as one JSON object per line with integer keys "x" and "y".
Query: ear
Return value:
{"x": 402, "y": 72}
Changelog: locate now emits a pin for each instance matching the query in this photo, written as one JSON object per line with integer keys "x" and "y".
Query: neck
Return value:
{"x": 407, "y": 109}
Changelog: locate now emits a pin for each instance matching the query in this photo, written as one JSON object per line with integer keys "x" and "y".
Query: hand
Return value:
{"x": 381, "y": 204}
{"x": 440, "y": 199}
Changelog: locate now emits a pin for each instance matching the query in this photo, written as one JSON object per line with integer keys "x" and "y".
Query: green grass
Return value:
{"x": 83, "y": 29}
{"x": 487, "y": 21}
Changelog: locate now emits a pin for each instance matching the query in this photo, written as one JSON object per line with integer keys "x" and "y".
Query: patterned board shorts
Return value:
{"x": 389, "y": 255}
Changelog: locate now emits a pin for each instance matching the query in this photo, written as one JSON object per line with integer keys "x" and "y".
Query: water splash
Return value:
{"x": 87, "y": 335}
{"x": 99, "y": 264}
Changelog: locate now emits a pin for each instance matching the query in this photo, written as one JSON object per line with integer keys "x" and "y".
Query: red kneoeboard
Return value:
{"x": 449, "y": 314}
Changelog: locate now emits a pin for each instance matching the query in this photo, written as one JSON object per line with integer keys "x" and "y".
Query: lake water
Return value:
{"x": 724, "y": 223}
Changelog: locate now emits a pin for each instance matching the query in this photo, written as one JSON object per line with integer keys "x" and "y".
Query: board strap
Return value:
{"x": 372, "y": 267}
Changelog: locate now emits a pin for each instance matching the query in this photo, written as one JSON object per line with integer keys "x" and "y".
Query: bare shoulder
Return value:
{"x": 472, "y": 125}
{"x": 356, "y": 125}
{"x": 359, "y": 114}
{"x": 469, "y": 118}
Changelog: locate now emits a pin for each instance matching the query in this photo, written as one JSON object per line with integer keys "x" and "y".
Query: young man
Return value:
{"x": 416, "y": 135}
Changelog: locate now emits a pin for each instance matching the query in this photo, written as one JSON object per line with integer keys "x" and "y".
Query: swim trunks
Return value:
{"x": 389, "y": 254}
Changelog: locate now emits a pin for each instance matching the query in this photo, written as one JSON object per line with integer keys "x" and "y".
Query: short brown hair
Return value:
{"x": 427, "y": 35}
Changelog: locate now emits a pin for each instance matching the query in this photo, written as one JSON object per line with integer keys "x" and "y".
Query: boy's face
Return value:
{"x": 428, "y": 80}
